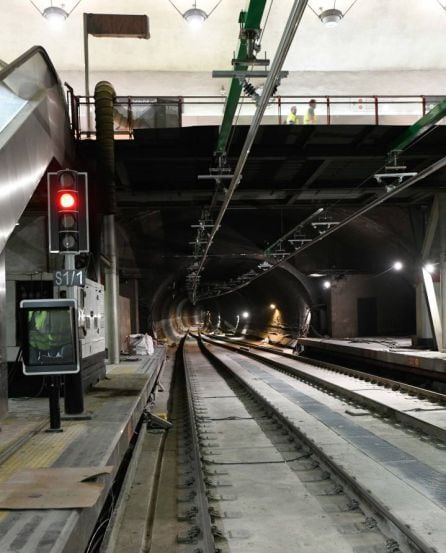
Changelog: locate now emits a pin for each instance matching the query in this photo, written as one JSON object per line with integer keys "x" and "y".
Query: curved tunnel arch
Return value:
{"x": 170, "y": 312}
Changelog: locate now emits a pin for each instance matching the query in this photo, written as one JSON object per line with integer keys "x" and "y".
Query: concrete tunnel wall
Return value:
{"x": 173, "y": 314}
{"x": 163, "y": 305}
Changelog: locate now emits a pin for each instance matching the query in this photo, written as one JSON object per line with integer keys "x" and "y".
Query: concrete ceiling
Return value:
{"x": 375, "y": 35}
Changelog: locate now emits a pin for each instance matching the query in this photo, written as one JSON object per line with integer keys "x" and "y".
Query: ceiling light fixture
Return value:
{"x": 55, "y": 14}
{"x": 331, "y": 17}
{"x": 194, "y": 16}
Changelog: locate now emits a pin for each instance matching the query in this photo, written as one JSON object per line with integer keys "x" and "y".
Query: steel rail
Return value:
{"x": 363, "y": 493}
{"x": 282, "y": 51}
{"x": 206, "y": 537}
{"x": 396, "y": 385}
{"x": 404, "y": 417}
{"x": 440, "y": 164}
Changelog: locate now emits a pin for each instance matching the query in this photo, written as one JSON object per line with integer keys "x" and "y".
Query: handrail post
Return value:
{"x": 130, "y": 116}
{"x": 180, "y": 111}
{"x": 376, "y": 110}
{"x": 76, "y": 124}
{"x": 423, "y": 104}
{"x": 279, "y": 109}
{"x": 72, "y": 108}
{"x": 327, "y": 99}
{"x": 78, "y": 116}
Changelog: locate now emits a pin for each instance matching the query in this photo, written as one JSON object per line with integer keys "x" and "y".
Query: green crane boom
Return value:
{"x": 250, "y": 19}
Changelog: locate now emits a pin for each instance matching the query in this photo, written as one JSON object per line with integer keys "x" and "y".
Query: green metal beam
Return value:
{"x": 421, "y": 126}
{"x": 250, "y": 19}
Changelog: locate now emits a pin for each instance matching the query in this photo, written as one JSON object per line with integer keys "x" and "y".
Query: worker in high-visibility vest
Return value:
{"x": 292, "y": 117}
{"x": 310, "y": 117}
{"x": 50, "y": 334}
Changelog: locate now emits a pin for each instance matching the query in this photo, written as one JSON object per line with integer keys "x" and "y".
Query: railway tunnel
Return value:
{"x": 256, "y": 350}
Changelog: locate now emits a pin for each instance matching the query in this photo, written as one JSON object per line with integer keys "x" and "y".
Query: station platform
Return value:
{"x": 96, "y": 443}
{"x": 382, "y": 350}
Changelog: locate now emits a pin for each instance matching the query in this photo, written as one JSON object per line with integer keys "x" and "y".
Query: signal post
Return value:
{"x": 69, "y": 235}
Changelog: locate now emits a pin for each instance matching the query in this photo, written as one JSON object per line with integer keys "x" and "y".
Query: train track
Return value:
{"x": 362, "y": 375}
{"x": 266, "y": 465}
{"x": 408, "y": 404}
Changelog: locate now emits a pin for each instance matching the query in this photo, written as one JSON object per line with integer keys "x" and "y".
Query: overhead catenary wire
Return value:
{"x": 440, "y": 164}
{"x": 294, "y": 19}
{"x": 327, "y": 211}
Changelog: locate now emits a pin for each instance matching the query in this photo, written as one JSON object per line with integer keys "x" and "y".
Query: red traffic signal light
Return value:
{"x": 67, "y": 200}
{"x": 68, "y": 212}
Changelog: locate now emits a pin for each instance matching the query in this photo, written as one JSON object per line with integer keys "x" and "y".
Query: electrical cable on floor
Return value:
{"x": 253, "y": 463}
{"x": 27, "y": 398}
{"x": 235, "y": 418}
{"x": 91, "y": 543}
{"x": 305, "y": 456}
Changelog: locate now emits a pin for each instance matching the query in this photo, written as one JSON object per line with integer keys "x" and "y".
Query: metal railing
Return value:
{"x": 144, "y": 112}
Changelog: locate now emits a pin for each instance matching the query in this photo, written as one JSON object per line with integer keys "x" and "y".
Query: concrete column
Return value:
{"x": 3, "y": 322}
{"x": 111, "y": 289}
{"x": 442, "y": 239}
{"x": 434, "y": 311}
{"x": 424, "y": 326}
{"x": 135, "y": 306}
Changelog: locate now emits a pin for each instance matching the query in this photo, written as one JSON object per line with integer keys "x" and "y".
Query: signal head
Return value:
{"x": 67, "y": 199}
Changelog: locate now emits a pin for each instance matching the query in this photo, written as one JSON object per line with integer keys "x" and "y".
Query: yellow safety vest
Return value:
{"x": 292, "y": 119}
{"x": 309, "y": 117}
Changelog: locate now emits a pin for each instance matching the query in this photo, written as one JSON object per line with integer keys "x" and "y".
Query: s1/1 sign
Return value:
{"x": 69, "y": 277}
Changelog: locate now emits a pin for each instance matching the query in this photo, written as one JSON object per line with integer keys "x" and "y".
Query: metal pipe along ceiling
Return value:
{"x": 279, "y": 59}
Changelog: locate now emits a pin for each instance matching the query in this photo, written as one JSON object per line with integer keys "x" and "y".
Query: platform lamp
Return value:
{"x": 194, "y": 16}
{"x": 330, "y": 15}
{"x": 56, "y": 13}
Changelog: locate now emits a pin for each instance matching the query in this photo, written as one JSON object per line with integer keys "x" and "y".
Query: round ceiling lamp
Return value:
{"x": 54, "y": 14}
{"x": 195, "y": 17}
{"x": 331, "y": 16}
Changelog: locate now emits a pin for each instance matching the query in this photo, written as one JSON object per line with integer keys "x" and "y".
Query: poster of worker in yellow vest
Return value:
{"x": 49, "y": 336}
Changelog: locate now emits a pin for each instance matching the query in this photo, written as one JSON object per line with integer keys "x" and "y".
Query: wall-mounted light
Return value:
{"x": 195, "y": 17}
{"x": 397, "y": 266}
{"x": 326, "y": 284}
{"x": 273, "y": 306}
{"x": 430, "y": 267}
{"x": 245, "y": 314}
{"x": 331, "y": 16}
{"x": 55, "y": 13}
